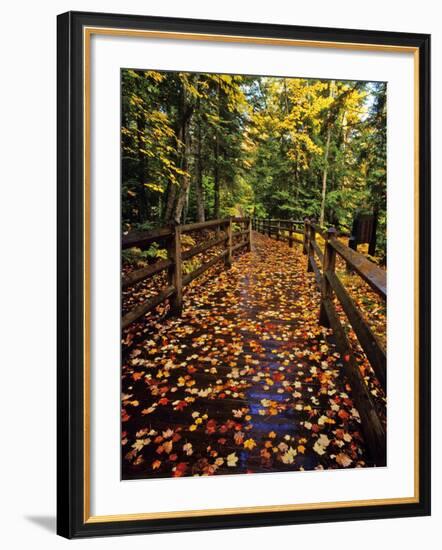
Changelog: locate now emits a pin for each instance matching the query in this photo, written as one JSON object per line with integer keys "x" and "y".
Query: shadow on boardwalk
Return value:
{"x": 245, "y": 381}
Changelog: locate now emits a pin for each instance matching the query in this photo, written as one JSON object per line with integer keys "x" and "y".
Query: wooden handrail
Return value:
{"x": 368, "y": 340}
{"x": 187, "y": 254}
{"x": 202, "y": 268}
{"x": 141, "y": 238}
{"x": 176, "y": 257}
{"x": 369, "y": 271}
{"x": 146, "y": 306}
{"x": 203, "y": 225}
{"x": 143, "y": 273}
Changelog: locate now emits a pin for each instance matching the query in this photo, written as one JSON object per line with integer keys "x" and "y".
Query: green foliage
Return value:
{"x": 187, "y": 241}
{"x": 141, "y": 258}
{"x": 190, "y": 265}
{"x": 200, "y": 146}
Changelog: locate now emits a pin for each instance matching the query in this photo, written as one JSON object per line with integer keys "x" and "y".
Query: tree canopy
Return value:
{"x": 198, "y": 146}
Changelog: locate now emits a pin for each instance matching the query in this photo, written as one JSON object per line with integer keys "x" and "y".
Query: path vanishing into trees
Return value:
{"x": 245, "y": 380}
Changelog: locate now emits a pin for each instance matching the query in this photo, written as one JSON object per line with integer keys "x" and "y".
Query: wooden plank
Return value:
{"x": 228, "y": 258}
{"x": 144, "y": 273}
{"x": 240, "y": 233}
{"x": 239, "y": 245}
{"x": 374, "y": 433}
{"x": 319, "y": 229}
{"x": 202, "y": 268}
{"x": 318, "y": 251}
{"x": 202, "y": 247}
{"x": 203, "y": 225}
{"x": 316, "y": 271}
{"x": 142, "y": 238}
{"x": 145, "y": 307}
{"x": 370, "y": 272}
{"x": 176, "y": 272}
{"x": 305, "y": 243}
{"x": 293, "y": 239}
{"x": 369, "y": 342}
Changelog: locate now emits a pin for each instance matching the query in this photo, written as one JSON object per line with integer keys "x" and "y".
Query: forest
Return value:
{"x": 252, "y": 341}
{"x": 199, "y": 146}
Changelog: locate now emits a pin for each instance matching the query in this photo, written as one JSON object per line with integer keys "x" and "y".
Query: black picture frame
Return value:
{"x": 71, "y": 520}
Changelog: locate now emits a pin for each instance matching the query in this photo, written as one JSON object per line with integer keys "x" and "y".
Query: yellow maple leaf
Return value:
{"x": 249, "y": 444}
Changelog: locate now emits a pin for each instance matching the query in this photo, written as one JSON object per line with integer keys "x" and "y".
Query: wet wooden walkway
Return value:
{"x": 244, "y": 381}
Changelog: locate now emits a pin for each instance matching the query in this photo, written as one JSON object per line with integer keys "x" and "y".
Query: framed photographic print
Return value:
{"x": 235, "y": 202}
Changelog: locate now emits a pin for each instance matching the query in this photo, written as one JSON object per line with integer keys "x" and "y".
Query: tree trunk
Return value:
{"x": 216, "y": 206}
{"x": 199, "y": 192}
{"x": 171, "y": 194}
{"x": 185, "y": 184}
{"x": 326, "y": 153}
{"x": 143, "y": 213}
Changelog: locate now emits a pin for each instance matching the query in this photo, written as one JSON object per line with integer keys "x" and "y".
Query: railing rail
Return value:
{"x": 283, "y": 230}
{"x": 232, "y": 240}
{"x": 330, "y": 285}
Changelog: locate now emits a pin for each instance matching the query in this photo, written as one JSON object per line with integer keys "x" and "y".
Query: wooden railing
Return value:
{"x": 322, "y": 262}
{"x": 283, "y": 230}
{"x": 225, "y": 235}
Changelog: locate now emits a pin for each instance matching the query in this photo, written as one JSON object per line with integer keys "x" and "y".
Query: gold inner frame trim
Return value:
{"x": 87, "y": 34}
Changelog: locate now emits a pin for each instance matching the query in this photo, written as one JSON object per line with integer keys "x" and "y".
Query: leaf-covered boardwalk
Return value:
{"x": 246, "y": 380}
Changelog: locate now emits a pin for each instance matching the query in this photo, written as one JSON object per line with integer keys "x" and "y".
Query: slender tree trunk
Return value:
{"x": 143, "y": 212}
{"x": 199, "y": 192}
{"x": 326, "y": 153}
{"x": 185, "y": 183}
{"x": 216, "y": 206}
{"x": 170, "y": 203}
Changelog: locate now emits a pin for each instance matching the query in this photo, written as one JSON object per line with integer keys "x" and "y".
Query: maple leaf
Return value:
{"x": 249, "y": 444}
{"x": 167, "y": 446}
{"x": 180, "y": 469}
{"x": 289, "y": 456}
{"x": 140, "y": 443}
{"x": 187, "y": 448}
{"x": 343, "y": 460}
{"x": 232, "y": 459}
{"x": 321, "y": 444}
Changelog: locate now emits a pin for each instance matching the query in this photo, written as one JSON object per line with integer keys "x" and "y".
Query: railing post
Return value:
{"x": 290, "y": 229}
{"x": 328, "y": 265}
{"x": 249, "y": 244}
{"x": 228, "y": 260}
{"x": 278, "y": 229}
{"x": 352, "y": 243}
{"x": 269, "y": 225}
{"x": 176, "y": 271}
{"x": 310, "y": 249}
{"x": 306, "y": 236}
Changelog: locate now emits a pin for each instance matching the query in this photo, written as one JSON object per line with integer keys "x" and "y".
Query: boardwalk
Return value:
{"x": 245, "y": 381}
